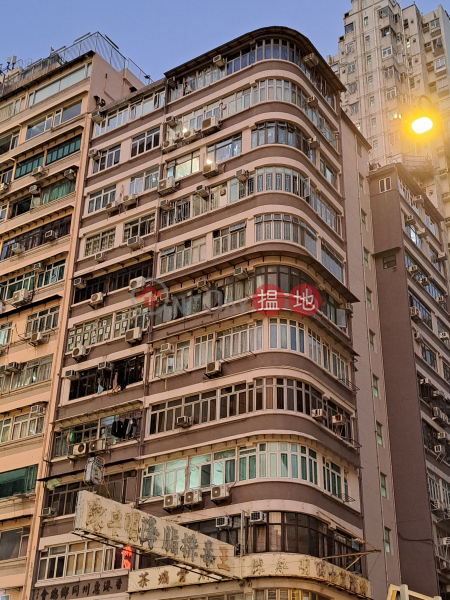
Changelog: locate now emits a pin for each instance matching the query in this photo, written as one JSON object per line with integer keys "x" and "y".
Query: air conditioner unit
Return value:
{"x": 169, "y": 145}
{"x": 445, "y": 541}
{"x": 425, "y": 381}
{"x": 94, "y": 153}
{"x": 438, "y": 394}
{"x": 164, "y": 297}
{"x": 224, "y": 522}
{"x": 441, "y": 435}
{"x": 38, "y": 338}
{"x": 167, "y": 186}
{"x": 214, "y": 368}
{"x": 80, "y": 352}
{"x": 418, "y": 337}
{"x": 441, "y": 257}
{"x": 70, "y": 174}
{"x": 130, "y": 199}
{"x": 4, "y": 187}
{"x": 318, "y": 414}
{"x": 135, "y": 242}
{"x": 242, "y": 175}
{"x": 413, "y": 269}
{"x": 311, "y": 60}
{"x": 97, "y": 445}
{"x": 338, "y": 420}
{"x": 211, "y": 170}
{"x": 172, "y": 501}
{"x": 137, "y": 285}
{"x": 192, "y": 497}
{"x": 17, "y": 248}
{"x": 258, "y": 517}
{"x": 38, "y": 172}
{"x": 436, "y": 505}
{"x": 410, "y": 220}
{"x": 203, "y": 285}
{"x": 12, "y": 367}
{"x": 421, "y": 232}
{"x": 414, "y": 313}
{"x": 171, "y": 82}
{"x": 202, "y": 190}
{"x": 171, "y": 121}
{"x": 241, "y": 273}
{"x": 313, "y": 102}
{"x": 444, "y": 335}
{"x": 100, "y": 256}
{"x": 97, "y": 299}
{"x": 50, "y": 236}
{"x": 218, "y": 61}
{"x": 189, "y": 136}
{"x": 97, "y": 116}
{"x": 21, "y": 297}
{"x": 440, "y": 417}
{"x": 133, "y": 335}
{"x": 220, "y": 492}
{"x": 441, "y": 299}
{"x": 104, "y": 366}
{"x": 184, "y": 422}
{"x": 38, "y": 267}
{"x": 348, "y": 307}
{"x": 112, "y": 206}
{"x": 79, "y": 283}
{"x": 424, "y": 281}
{"x": 34, "y": 189}
{"x": 37, "y": 408}
{"x": 71, "y": 375}
{"x": 80, "y": 449}
{"x": 314, "y": 142}
{"x": 49, "y": 512}
{"x": 210, "y": 124}
{"x": 167, "y": 349}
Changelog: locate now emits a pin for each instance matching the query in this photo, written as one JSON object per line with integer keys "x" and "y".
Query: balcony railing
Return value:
{"x": 95, "y": 42}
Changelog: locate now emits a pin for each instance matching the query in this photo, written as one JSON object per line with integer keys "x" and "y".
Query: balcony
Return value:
{"x": 95, "y": 42}
{"x": 419, "y": 166}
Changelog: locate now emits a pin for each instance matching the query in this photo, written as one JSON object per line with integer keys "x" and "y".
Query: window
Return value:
{"x": 19, "y": 481}
{"x": 33, "y": 371}
{"x": 372, "y": 341}
{"x": 172, "y": 363}
{"x": 332, "y": 262}
{"x": 361, "y": 183}
{"x": 5, "y": 333}
{"x": 352, "y": 87}
{"x": 413, "y": 232}
{"x": 107, "y": 159}
{"x": 366, "y": 21}
{"x": 6, "y": 176}
{"x": 354, "y": 108}
{"x": 379, "y": 434}
{"x": 285, "y": 227}
{"x": 224, "y": 150}
{"x": 368, "y": 60}
{"x": 375, "y": 382}
{"x": 22, "y": 426}
{"x": 13, "y": 544}
{"x": 99, "y": 242}
{"x": 372, "y": 101}
{"x": 131, "y": 318}
{"x": 63, "y": 150}
{"x": 100, "y": 199}
{"x": 179, "y": 212}
{"x": 59, "y": 84}
{"x": 144, "y": 181}
{"x": 430, "y": 224}
{"x": 385, "y": 184}
{"x": 349, "y": 28}
{"x": 141, "y": 227}
{"x": 328, "y": 172}
{"x": 144, "y": 142}
{"x": 203, "y": 349}
{"x": 439, "y": 64}
{"x": 350, "y": 47}
{"x": 374, "y": 122}
{"x": 25, "y": 281}
{"x": 383, "y": 485}
{"x": 366, "y": 258}
{"x": 53, "y": 273}
{"x": 184, "y": 166}
{"x": 363, "y": 219}
{"x": 288, "y": 335}
{"x": 375, "y": 145}
{"x": 44, "y": 320}
{"x": 229, "y": 239}
{"x": 114, "y": 119}
{"x": 428, "y": 355}
{"x": 370, "y": 79}
{"x": 351, "y": 67}
{"x": 332, "y": 481}
{"x": 238, "y": 340}
{"x": 387, "y": 540}
{"x": 90, "y": 333}
{"x": 282, "y": 133}
{"x": 26, "y": 166}
{"x": 9, "y": 142}
{"x": 53, "y": 120}
{"x": 188, "y": 253}
{"x": 434, "y": 24}
{"x": 36, "y": 237}
{"x": 55, "y": 191}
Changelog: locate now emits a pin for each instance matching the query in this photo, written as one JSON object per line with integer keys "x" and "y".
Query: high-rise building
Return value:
{"x": 259, "y": 425}
{"x": 45, "y": 127}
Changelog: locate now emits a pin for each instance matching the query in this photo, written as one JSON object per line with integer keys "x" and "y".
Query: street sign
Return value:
{"x": 105, "y": 519}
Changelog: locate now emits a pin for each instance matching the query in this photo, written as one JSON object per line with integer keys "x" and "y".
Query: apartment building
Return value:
{"x": 236, "y": 170}
{"x": 45, "y": 127}
{"x": 392, "y": 60}
{"x": 410, "y": 259}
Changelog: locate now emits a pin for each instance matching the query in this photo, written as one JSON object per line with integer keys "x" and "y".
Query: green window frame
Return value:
{"x": 62, "y": 150}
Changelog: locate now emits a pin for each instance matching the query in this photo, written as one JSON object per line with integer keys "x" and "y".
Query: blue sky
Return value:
{"x": 159, "y": 35}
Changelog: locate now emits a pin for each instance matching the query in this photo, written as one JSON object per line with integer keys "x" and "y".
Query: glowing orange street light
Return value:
{"x": 423, "y": 120}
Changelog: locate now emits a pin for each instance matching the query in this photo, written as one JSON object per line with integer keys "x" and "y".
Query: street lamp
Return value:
{"x": 423, "y": 119}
